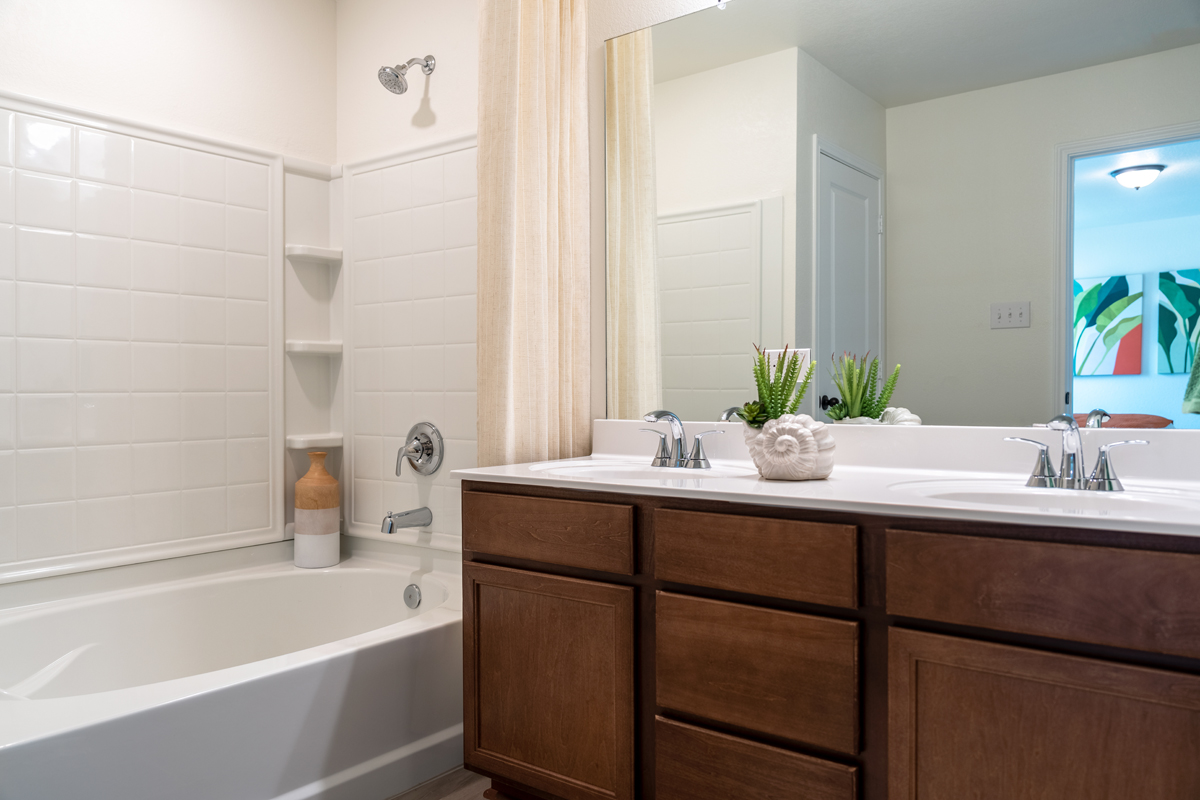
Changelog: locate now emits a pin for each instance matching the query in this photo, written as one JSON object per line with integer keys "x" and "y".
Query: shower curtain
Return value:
{"x": 634, "y": 377}
{"x": 533, "y": 353}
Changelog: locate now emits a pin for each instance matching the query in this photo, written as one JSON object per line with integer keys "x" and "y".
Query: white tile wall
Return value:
{"x": 708, "y": 312}
{"x": 133, "y": 331}
{"x": 413, "y": 333}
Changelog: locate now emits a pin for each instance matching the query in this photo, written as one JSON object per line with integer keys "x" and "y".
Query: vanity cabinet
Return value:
{"x": 993, "y": 722}
{"x": 625, "y": 646}
{"x": 549, "y": 673}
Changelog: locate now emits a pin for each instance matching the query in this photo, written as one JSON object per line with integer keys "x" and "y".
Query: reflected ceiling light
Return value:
{"x": 1137, "y": 177}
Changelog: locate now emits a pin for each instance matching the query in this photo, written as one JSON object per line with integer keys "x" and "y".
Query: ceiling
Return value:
{"x": 1100, "y": 200}
{"x": 906, "y": 51}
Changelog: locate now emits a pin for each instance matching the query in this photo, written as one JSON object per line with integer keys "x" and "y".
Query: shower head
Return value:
{"x": 393, "y": 78}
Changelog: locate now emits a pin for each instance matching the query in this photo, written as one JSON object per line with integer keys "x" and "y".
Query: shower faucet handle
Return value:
{"x": 423, "y": 449}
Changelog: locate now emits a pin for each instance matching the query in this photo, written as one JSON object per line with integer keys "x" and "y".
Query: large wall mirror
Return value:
{"x": 938, "y": 184}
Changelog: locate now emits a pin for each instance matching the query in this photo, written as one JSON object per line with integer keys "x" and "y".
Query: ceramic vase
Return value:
{"x": 318, "y": 516}
{"x": 791, "y": 448}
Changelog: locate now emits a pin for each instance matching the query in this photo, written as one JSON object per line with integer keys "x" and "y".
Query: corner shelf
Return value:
{"x": 316, "y": 255}
{"x": 313, "y": 347}
{"x": 305, "y": 441}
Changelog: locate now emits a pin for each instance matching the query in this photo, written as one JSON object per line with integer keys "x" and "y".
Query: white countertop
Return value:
{"x": 899, "y": 477}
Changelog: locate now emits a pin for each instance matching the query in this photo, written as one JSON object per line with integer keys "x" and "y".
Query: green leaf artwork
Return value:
{"x": 1108, "y": 325}
{"x": 1178, "y": 320}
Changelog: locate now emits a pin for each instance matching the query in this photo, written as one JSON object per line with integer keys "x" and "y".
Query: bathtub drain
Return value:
{"x": 412, "y": 595}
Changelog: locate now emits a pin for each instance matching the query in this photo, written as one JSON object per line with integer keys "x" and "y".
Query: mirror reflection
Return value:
{"x": 1005, "y": 201}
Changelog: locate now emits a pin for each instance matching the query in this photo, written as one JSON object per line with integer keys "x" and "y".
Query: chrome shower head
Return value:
{"x": 393, "y": 78}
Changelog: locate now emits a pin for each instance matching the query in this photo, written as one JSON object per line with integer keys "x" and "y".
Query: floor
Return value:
{"x": 457, "y": 784}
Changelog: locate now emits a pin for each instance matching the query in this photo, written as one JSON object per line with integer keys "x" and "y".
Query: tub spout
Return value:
{"x": 417, "y": 518}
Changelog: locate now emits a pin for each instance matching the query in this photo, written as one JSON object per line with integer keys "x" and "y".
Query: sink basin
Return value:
{"x": 618, "y": 471}
{"x": 1014, "y": 495}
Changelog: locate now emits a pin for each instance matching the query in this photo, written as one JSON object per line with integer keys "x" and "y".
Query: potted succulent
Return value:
{"x": 783, "y": 444}
{"x": 863, "y": 401}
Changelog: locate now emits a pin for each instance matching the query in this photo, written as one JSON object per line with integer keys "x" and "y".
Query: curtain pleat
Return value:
{"x": 533, "y": 313}
{"x": 634, "y": 376}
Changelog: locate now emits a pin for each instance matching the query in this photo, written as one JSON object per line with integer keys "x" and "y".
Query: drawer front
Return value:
{"x": 1125, "y": 598}
{"x": 776, "y": 672}
{"x": 568, "y": 532}
{"x": 806, "y": 561}
{"x": 692, "y": 762}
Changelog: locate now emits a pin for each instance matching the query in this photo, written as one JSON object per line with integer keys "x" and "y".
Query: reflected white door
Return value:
{"x": 848, "y": 312}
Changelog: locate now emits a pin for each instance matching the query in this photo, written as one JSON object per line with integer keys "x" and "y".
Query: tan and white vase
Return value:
{"x": 318, "y": 516}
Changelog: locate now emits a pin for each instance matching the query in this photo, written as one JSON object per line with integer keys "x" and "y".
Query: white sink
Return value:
{"x": 620, "y": 471}
{"x": 1014, "y": 495}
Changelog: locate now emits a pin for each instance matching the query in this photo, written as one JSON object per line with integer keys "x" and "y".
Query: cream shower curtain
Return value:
{"x": 634, "y": 379}
{"x": 533, "y": 320}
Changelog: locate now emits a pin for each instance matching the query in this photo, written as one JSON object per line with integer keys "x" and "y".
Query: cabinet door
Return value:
{"x": 993, "y": 722}
{"x": 549, "y": 681}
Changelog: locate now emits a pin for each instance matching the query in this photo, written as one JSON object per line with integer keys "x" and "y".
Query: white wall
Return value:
{"x": 372, "y": 121}
{"x": 971, "y": 221}
{"x": 726, "y": 135}
{"x": 260, "y": 74}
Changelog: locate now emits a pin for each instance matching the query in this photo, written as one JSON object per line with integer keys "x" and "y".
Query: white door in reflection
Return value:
{"x": 848, "y": 312}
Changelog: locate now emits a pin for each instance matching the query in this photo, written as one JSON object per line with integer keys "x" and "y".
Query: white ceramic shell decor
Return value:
{"x": 791, "y": 448}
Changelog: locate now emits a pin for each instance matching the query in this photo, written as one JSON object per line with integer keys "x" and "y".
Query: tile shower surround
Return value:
{"x": 134, "y": 332}
{"x": 412, "y": 234}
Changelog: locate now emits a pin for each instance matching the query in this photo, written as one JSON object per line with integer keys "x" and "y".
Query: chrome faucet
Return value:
{"x": 1096, "y": 418}
{"x": 678, "y": 437}
{"x": 1071, "y": 468}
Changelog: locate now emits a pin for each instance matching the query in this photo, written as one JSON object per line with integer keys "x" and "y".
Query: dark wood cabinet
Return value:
{"x": 621, "y": 646}
{"x": 994, "y": 722}
{"x": 789, "y": 675}
{"x": 697, "y": 763}
{"x": 549, "y": 676}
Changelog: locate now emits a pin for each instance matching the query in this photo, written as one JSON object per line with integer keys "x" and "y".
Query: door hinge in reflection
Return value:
{"x": 881, "y": 223}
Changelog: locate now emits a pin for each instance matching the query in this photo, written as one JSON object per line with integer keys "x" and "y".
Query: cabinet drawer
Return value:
{"x": 776, "y": 672}
{"x": 568, "y": 532}
{"x": 692, "y": 762}
{"x": 1138, "y": 599}
{"x": 807, "y": 561}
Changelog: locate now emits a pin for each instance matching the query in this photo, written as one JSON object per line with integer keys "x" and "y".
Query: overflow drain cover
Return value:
{"x": 412, "y": 595}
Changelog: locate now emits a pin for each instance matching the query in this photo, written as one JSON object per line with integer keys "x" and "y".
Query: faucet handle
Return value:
{"x": 1044, "y": 476}
{"x": 1104, "y": 477}
{"x": 663, "y": 457}
{"x": 697, "y": 460}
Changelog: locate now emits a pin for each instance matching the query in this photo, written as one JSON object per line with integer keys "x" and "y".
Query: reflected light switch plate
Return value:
{"x": 1010, "y": 315}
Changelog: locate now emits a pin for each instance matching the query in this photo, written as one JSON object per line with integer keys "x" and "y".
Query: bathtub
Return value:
{"x": 231, "y": 675}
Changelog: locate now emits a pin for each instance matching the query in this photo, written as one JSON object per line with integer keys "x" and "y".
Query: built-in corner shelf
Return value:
{"x": 305, "y": 441}
{"x": 313, "y": 347}
{"x": 317, "y": 255}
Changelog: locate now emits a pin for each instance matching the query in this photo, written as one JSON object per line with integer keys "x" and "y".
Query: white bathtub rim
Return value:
{"x": 24, "y": 721}
{"x": 445, "y": 581}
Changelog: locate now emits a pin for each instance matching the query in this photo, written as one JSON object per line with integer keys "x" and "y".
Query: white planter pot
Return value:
{"x": 791, "y": 448}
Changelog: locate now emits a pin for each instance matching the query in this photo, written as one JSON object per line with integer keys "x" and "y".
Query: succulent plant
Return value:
{"x": 780, "y": 389}
{"x": 858, "y": 382}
